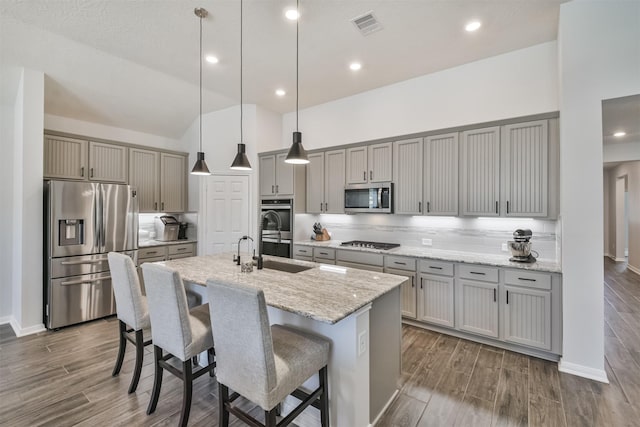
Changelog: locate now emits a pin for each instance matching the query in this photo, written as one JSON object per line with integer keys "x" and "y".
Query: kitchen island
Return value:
{"x": 359, "y": 311}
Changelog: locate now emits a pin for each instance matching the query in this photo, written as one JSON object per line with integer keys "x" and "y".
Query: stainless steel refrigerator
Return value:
{"x": 83, "y": 222}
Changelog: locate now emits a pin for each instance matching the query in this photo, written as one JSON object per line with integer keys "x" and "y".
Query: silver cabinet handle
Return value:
{"x": 273, "y": 188}
{"x": 323, "y": 253}
{"x": 304, "y": 251}
{"x": 494, "y": 295}
{"x": 507, "y": 297}
{"x": 326, "y": 207}
{"x": 152, "y": 252}
{"x": 277, "y": 191}
{"x": 370, "y": 174}
{"x": 82, "y": 171}
{"x": 435, "y": 268}
{"x": 413, "y": 280}
{"x": 399, "y": 263}
{"x": 421, "y": 280}
{"x": 320, "y": 206}
{"x": 181, "y": 249}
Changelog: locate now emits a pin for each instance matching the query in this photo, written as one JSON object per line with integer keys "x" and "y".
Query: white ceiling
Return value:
{"x": 621, "y": 114}
{"x": 134, "y": 63}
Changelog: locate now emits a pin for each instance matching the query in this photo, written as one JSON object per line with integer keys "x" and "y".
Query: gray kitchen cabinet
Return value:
{"x": 435, "y": 300}
{"x": 361, "y": 260}
{"x": 441, "y": 175}
{"x": 409, "y": 291}
{"x": 276, "y": 176}
{"x": 325, "y": 182}
{"x": 525, "y": 149}
{"x": 304, "y": 253}
{"x": 65, "y": 158}
{"x": 324, "y": 255}
{"x": 480, "y": 172}
{"x": 107, "y": 162}
{"x": 407, "y": 176}
{"x": 144, "y": 174}
{"x": 173, "y": 181}
{"x": 478, "y": 307}
{"x": 370, "y": 163}
{"x": 527, "y": 317}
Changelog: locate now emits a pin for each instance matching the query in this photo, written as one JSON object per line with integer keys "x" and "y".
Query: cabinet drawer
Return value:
{"x": 323, "y": 253}
{"x": 527, "y": 278}
{"x": 401, "y": 263}
{"x": 187, "y": 248}
{"x": 361, "y": 258}
{"x": 151, "y": 259}
{"x": 360, "y": 266}
{"x": 152, "y": 252}
{"x": 181, "y": 255}
{"x": 476, "y": 272}
{"x": 304, "y": 251}
{"x": 441, "y": 268}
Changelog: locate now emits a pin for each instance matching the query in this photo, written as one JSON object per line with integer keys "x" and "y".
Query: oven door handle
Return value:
{"x": 270, "y": 240}
{"x": 275, "y": 207}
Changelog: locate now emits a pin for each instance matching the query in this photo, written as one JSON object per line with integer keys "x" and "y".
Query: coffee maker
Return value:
{"x": 520, "y": 247}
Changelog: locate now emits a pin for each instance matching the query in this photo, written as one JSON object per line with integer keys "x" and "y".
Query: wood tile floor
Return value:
{"x": 64, "y": 378}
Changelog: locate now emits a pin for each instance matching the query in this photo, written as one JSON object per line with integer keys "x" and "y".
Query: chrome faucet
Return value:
{"x": 236, "y": 259}
{"x": 265, "y": 216}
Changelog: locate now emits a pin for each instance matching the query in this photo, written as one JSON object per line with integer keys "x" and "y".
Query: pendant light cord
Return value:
{"x": 200, "y": 83}
{"x": 297, "y": 54}
{"x": 241, "y": 136}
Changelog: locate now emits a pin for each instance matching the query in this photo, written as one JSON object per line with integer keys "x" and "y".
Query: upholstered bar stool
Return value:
{"x": 132, "y": 313}
{"x": 261, "y": 363}
{"x": 175, "y": 329}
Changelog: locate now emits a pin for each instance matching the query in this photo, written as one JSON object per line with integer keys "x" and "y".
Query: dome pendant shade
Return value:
{"x": 200, "y": 168}
{"x": 241, "y": 162}
{"x": 297, "y": 154}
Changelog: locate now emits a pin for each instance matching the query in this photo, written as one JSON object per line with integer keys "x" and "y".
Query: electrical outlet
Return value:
{"x": 427, "y": 242}
{"x": 362, "y": 343}
{"x": 505, "y": 248}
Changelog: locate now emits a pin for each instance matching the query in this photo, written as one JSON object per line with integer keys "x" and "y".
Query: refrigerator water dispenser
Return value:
{"x": 71, "y": 232}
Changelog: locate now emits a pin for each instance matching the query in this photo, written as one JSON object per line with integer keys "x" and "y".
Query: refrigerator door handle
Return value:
{"x": 102, "y": 219}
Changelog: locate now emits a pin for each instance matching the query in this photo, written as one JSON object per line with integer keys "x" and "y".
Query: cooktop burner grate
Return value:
{"x": 370, "y": 245}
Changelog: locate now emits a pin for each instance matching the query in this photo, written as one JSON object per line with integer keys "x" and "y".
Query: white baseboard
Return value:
{"x": 619, "y": 259}
{"x": 384, "y": 409}
{"x": 610, "y": 256}
{"x": 21, "y": 332}
{"x": 634, "y": 269}
{"x": 4, "y": 320}
{"x": 583, "y": 371}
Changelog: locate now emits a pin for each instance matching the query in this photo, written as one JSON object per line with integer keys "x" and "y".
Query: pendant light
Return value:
{"x": 241, "y": 162}
{"x": 297, "y": 154}
{"x": 200, "y": 168}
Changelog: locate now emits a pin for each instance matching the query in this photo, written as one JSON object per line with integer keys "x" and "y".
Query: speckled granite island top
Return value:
{"x": 547, "y": 265}
{"x": 324, "y": 293}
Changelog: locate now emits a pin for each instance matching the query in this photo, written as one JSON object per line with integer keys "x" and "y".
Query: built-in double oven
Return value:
{"x": 274, "y": 242}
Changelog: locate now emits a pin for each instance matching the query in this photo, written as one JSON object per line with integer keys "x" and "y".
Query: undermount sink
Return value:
{"x": 283, "y": 266}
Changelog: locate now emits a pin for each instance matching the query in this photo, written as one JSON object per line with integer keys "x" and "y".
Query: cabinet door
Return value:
{"x": 284, "y": 176}
{"x": 407, "y": 176}
{"x": 525, "y": 178}
{"x": 107, "y": 162}
{"x": 480, "y": 172}
{"x": 65, "y": 158}
{"x": 441, "y": 175}
{"x": 380, "y": 163}
{"x": 315, "y": 183}
{"x": 409, "y": 292}
{"x": 527, "y": 317}
{"x": 334, "y": 178}
{"x": 357, "y": 165}
{"x": 478, "y": 307}
{"x": 436, "y": 300}
{"x": 268, "y": 175}
{"x": 173, "y": 177}
{"x": 144, "y": 174}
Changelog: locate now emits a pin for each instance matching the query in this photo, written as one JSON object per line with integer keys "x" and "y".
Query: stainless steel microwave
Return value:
{"x": 372, "y": 198}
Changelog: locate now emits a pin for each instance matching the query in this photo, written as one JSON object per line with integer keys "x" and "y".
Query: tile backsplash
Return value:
{"x": 483, "y": 235}
{"x": 146, "y": 225}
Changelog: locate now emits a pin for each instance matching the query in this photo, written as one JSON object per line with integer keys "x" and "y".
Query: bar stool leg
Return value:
{"x": 324, "y": 398}
{"x": 139, "y": 356}
{"x": 223, "y": 398}
{"x": 211, "y": 353}
{"x": 157, "y": 380}
{"x": 123, "y": 346}
{"x": 270, "y": 418}
{"x": 187, "y": 379}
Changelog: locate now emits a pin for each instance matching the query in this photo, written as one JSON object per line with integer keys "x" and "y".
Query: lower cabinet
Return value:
{"x": 527, "y": 317}
{"x": 361, "y": 260}
{"x": 435, "y": 301}
{"x": 304, "y": 253}
{"x": 409, "y": 292}
{"x": 163, "y": 253}
{"x": 478, "y": 307}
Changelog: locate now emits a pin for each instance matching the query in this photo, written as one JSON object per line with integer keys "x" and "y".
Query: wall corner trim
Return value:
{"x": 633, "y": 269}
{"x": 583, "y": 371}
{"x": 21, "y": 332}
{"x": 5, "y": 319}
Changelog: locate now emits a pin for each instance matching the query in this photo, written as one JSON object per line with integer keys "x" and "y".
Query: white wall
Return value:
{"x": 6, "y": 211}
{"x": 95, "y": 130}
{"x": 514, "y": 84}
{"x": 27, "y": 204}
{"x": 599, "y": 58}
{"x": 606, "y": 179}
{"x": 621, "y": 152}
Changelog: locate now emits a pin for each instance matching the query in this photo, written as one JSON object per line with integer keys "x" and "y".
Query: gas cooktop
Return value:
{"x": 370, "y": 245}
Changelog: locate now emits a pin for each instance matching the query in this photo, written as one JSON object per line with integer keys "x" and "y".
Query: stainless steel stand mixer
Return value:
{"x": 520, "y": 246}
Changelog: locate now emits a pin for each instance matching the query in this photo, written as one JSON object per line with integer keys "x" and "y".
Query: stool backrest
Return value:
{"x": 241, "y": 331}
{"x": 126, "y": 286}
{"x": 168, "y": 309}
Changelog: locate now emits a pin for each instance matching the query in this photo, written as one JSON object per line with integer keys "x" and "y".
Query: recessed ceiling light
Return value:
{"x": 280, "y": 92}
{"x": 472, "y": 26}
{"x": 355, "y": 66}
{"x": 620, "y": 134}
{"x": 212, "y": 59}
{"x": 292, "y": 14}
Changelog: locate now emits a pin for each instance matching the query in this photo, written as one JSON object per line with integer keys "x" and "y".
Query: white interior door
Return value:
{"x": 226, "y": 212}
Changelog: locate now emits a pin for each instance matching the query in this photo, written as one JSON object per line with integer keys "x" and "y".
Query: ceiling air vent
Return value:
{"x": 367, "y": 23}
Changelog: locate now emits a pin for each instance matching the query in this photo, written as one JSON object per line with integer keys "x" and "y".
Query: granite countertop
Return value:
{"x": 548, "y": 265}
{"x": 148, "y": 243}
{"x": 324, "y": 293}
